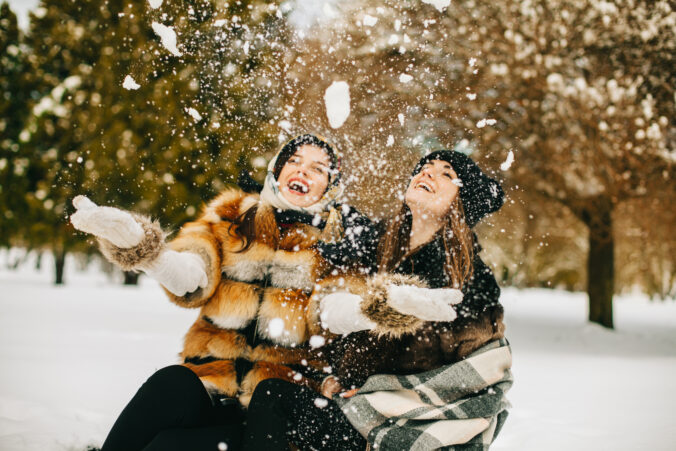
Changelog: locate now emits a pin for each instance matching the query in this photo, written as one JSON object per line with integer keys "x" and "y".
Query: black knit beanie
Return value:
{"x": 290, "y": 148}
{"x": 480, "y": 194}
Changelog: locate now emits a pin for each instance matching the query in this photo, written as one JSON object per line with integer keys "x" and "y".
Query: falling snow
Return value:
{"x": 405, "y": 78}
{"x": 370, "y": 21}
{"x": 317, "y": 341}
{"x": 130, "y": 83}
{"x": 337, "y": 101}
{"x": 275, "y": 327}
{"x": 194, "y": 114}
{"x": 505, "y": 165}
{"x": 168, "y": 37}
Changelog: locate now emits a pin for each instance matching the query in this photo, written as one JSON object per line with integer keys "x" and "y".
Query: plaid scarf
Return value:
{"x": 460, "y": 406}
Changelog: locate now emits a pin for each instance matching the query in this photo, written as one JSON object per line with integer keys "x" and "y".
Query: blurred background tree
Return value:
{"x": 164, "y": 142}
{"x": 550, "y": 82}
{"x": 14, "y": 108}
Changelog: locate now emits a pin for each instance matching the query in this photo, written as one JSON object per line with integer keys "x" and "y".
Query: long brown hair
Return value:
{"x": 457, "y": 238}
{"x": 246, "y": 227}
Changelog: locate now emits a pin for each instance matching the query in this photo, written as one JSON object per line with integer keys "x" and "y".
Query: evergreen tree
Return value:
{"x": 131, "y": 121}
{"x": 14, "y": 108}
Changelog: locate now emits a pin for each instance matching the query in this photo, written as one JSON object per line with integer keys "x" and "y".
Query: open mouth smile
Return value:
{"x": 298, "y": 186}
{"x": 425, "y": 186}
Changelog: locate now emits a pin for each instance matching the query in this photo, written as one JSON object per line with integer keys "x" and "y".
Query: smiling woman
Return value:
{"x": 305, "y": 177}
{"x": 249, "y": 263}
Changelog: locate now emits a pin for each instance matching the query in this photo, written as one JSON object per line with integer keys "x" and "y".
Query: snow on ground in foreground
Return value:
{"x": 73, "y": 356}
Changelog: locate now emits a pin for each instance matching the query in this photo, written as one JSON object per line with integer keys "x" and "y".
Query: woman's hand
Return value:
{"x": 330, "y": 387}
{"x": 178, "y": 272}
{"x": 427, "y": 304}
{"x": 349, "y": 393}
{"x": 112, "y": 224}
{"x": 341, "y": 313}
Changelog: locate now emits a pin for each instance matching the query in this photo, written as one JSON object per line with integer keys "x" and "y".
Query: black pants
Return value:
{"x": 281, "y": 413}
{"x": 173, "y": 411}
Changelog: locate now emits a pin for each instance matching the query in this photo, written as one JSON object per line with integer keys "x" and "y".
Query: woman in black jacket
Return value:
{"x": 401, "y": 320}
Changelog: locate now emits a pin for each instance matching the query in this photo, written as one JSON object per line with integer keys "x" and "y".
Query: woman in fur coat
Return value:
{"x": 249, "y": 262}
{"x": 432, "y": 303}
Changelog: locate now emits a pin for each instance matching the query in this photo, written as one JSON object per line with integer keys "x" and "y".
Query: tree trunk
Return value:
{"x": 601, "y": 260}
{"x": 59, "y": 264}
{"x": 131, "y": 278}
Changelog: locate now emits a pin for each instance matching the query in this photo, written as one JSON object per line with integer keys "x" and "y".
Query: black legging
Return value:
{"x": 281, "y": 413}
{"x": 173, "y": 411}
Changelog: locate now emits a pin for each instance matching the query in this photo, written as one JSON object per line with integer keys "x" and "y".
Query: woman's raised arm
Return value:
{"x": 135, "y": 243}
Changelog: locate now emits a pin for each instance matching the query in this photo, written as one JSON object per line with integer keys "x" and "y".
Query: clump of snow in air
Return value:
{"x": 484, "y": 122}
{"x": 370, "y": 21}
{"x": 130, "y": 83}
{"x": 285, "y": 125}
{"x": 321, "y": 402}
{"x": 154, "y": 4}
{"x": 168, "y": 36}
{"x": 405, "y": 78}
{"x": 275, "y": 327}
{"x": 401, "y": 118}
{"x": 438, "y": 4}
{"x": 222, "y": 446}
{"x": 508, "y": 162}
{"x": 297, "y": 377}
{"x": 259, "y": 163}
{"x": 317, "y": 341}
{"x": 390, "y": 140}
{"x": 337, "y": 101}
{"x": 195, "y": 114}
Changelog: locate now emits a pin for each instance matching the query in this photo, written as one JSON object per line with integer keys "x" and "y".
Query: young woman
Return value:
{"x": 396, "y": 323}
{"x": 249, "y": 262}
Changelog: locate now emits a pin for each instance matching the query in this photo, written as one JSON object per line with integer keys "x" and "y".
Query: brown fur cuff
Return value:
{"x": 131, "y": 258}
{"x": 389, "y": 321}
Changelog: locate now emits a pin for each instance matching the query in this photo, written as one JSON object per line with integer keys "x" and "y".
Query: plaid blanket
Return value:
{"x": 461, "y": 406}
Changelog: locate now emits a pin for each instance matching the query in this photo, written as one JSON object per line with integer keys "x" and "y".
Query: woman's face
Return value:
{"x": 433, "y": 189}
{"x": 305, "y": 177}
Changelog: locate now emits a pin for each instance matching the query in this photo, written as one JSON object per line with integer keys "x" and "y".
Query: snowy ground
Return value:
{"x": 73, "y": 356}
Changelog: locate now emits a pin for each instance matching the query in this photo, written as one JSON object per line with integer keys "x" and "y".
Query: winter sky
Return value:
{"x": 305, "y": 11}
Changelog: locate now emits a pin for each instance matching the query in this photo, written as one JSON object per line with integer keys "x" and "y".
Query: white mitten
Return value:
{"x": 425, "y": 303}
{"x": 112, "y": 224}
{"x": 178, "y": 272}
{"x": 341, "y": 313}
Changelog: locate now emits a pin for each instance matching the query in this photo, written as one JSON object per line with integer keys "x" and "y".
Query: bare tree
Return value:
{"x": 581, "y": 92}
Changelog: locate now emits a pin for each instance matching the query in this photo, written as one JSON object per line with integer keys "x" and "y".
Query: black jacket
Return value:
{"x": 359, "y": 355}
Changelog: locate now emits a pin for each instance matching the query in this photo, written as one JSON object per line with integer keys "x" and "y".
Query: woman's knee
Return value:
{"x": 172, "y": 383}
{"x": 268, "y": 395}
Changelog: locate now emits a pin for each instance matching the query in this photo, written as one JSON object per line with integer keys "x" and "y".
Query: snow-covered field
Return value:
{"x": 72, "y": 357}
